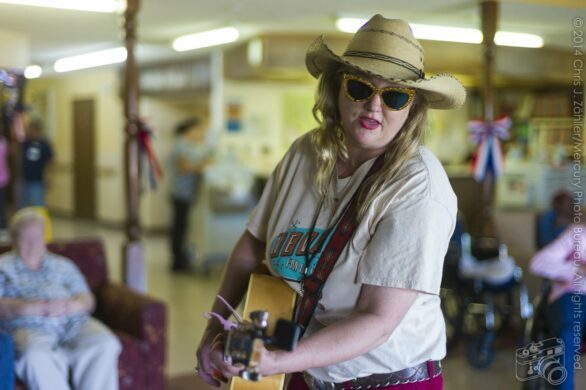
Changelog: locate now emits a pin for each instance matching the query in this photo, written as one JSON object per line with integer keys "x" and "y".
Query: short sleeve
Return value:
{"x": 408, "y": 247}
{"x": 552, "y": 262}
{"x": 73, "y": 278}
{"x": 50, "y": 153}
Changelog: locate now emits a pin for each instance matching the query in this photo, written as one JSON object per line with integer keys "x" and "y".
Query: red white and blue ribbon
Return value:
{"x": 489, "y": 156}
{"x": 149, "y": 157}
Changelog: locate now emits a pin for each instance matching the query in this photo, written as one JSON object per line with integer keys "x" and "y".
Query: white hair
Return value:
{"x": 24, "y": 217}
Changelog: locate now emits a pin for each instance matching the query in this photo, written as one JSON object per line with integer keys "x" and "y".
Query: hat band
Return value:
{"x": 382, "y": 57}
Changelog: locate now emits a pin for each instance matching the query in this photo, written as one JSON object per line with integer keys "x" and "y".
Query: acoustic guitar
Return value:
{"x": 271, "y": 294}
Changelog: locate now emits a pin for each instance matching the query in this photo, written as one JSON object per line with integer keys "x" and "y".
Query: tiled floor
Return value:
{"x": 189, "y": 296}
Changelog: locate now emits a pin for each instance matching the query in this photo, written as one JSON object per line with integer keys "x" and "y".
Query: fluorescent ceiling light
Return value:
{"x": 91, "y": 60}
{"x": 33, "y": 72}
{"x": 206, "y": 39}
{"x": 451, "y": 34}
{"x": 448, "y": 34}
{"x": 503, "y": 38}
{"x": 106, "y": 6}
{"x": 349, "y": 25}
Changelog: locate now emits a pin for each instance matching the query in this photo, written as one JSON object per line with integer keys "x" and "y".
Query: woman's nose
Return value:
{"x": 374, "y": 104}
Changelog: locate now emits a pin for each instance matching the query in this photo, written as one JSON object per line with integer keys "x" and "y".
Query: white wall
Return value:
{"x": 273, "y": 114}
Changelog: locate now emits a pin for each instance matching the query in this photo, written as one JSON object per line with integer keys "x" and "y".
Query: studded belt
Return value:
{"x": 414, "y": 374}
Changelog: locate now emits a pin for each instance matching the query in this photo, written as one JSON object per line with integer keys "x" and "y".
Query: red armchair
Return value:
{"x": 137, "y": 320}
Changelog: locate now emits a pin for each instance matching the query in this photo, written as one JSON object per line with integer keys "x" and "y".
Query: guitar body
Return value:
{"x": 266, "y": 292}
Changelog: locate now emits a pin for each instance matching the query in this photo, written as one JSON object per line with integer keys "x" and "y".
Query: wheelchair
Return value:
{"x": 480, "y": 290}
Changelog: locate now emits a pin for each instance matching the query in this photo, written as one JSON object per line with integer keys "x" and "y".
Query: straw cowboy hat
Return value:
{"x": 388, "y": 49}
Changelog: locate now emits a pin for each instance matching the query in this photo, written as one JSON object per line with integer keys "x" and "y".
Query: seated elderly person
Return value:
{"x": 45, "y": 304}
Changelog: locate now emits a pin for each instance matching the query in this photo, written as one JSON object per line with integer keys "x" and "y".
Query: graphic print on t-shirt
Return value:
{"x": 287, "y": 251}
{"x": 33, "y": 153}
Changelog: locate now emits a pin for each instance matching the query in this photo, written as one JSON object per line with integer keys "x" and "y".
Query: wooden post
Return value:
{"x": 134, "y": 271}
{"x": 15, "y": 149}
{"x": 489, "y": 25}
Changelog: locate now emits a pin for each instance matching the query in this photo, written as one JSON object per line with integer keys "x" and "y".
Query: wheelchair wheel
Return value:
{"x": 453, "y": 306}
{"x": 526, "y": 334}
{"x": 535, "y": 327}
{"x": 481, "y": 351}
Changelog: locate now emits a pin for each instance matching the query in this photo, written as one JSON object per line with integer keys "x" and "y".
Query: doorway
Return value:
{"x": 84, "y": 159}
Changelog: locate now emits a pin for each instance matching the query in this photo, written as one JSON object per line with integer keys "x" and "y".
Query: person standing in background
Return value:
{"x": 37, "y": 154}
{"x": 189, "y": 160}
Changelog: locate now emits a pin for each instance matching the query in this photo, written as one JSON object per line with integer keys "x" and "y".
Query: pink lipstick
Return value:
{"x": 368, "y": 123}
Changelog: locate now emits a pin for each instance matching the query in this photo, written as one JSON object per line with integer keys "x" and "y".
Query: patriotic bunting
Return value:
{"x": 488, "y": 156}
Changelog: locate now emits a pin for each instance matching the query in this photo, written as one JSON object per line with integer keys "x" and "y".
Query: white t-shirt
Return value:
{"x": 401, "y": 242}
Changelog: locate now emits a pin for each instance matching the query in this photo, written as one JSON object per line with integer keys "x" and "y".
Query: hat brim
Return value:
{"x": 442, "y": 91}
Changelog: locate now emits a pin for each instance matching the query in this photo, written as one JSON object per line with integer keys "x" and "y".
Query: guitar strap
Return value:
{"x": 313, "y": 284}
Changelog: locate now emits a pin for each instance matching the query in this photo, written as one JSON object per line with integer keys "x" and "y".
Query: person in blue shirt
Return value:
{"x": 190, "y": 158}
{"x": 37, "y": 154}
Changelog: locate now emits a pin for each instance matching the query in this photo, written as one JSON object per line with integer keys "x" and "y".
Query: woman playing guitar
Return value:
{"x": 357, "y": 201}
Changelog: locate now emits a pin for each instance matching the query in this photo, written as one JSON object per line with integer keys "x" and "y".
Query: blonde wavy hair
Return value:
{"x": 329, "y": 143}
